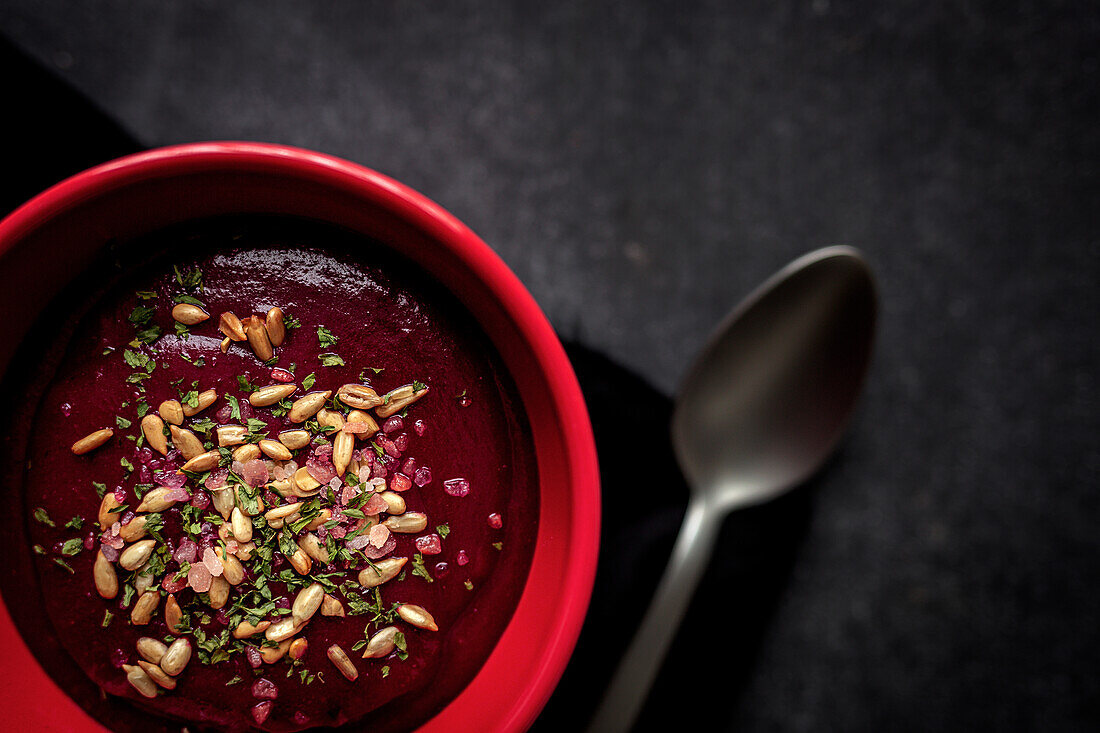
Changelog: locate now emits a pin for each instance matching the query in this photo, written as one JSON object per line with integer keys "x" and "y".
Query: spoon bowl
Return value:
{"x": 761, "y": 410}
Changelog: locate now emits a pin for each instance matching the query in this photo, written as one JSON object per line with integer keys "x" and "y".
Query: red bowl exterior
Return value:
{"x": 52, "y": 237}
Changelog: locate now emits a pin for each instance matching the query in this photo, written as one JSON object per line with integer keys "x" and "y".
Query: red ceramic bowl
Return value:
{"x": 48, "y": 240}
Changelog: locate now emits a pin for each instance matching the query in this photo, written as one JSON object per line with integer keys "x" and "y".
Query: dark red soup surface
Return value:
{"x": 459, "y": 458}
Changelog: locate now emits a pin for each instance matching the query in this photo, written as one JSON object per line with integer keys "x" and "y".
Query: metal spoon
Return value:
{"x": 759, "y": 412}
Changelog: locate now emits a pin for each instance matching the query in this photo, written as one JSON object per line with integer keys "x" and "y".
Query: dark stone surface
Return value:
{"x": 642, "y": 166}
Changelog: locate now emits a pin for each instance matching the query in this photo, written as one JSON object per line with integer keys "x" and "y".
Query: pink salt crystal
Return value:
{"x": 423, "y": 476}
{"x": 224, "y": 414}
{"x": 89, "y": 541}
{"x": 322, "y": 472}
{"x": 261, "y": 710}
{"x": 346, "y": 494}
{"x": 400, "y": 482}
{"x": 374, "y": 505}
{"x": 322, "y": 452}
{"x": 420, "y": 427}
{"x": 236, "y": 467}
{"x": 441, "y": 569}
{"x": 338, "y": 532}
{"x": 187, "y": 551}
{"x": 279, "y": 473}
{"x": 402, "y": 442}
{"x": 118, "y": 657}
{"x": 216, "y": 479}
{"x": 110, "y": 553}
{"x": 495, "y": 521}
{"x": 389, "y": 446}
{"x": 264, "y": 689}
{"x": 200, "y": 500}
{"x": 364, "y": 474}
{"x": 120, "y": 495}
{"x": 173, "y": 456}
{"x": 246, "y": 410}
{"x": 155, "y": 465}
{"x": 378, "y": 470}
{"x": 356, "y": 428}
{"x": 144, "y": 475}
{"x": 379, "y": 533}
{"x": 170, "y": 480}
{"x": 212, "y": 562}
{"x": 255, "y": 659}
{"x": 281, "y": 375}
{"x": 393, "y": 424}
{"x": 116, "y": 528}
{"x": 282, "y": 602}
{"x": 409, "y": 467}
{"x": 178, "y": 494}
{"x": 429, "y": 544}
{"x": 126, "y": 518}
{"x": 461, "y": 557}
{"x": 374, "y": 553}
{"x": 358, "y": 542}
{"x": 456, "y": 486}
{"x": 199, "y": 577}
{"x": 255, "y": 473}
{"x": 270, "y": 497}
{"x": 113, "y": 542}
{"x": 144, "y": 455}
{"x": 231, "y": 546}
{"x": 66, "y": 409}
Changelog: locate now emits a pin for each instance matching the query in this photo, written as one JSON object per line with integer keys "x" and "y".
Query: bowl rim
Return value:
{"x": 24, "y": 679}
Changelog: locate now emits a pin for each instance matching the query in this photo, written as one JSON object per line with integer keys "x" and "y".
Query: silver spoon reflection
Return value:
{"x": 761, "y": 409}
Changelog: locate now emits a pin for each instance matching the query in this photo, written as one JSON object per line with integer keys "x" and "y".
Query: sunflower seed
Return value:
{"x": 172, "y": 614}
{"x": 177, "y": 656}
{"x": 152, "y": 427}
{"x": 205, "y": 398}
{"x": 157, "y": 500}
{"x": 224, "y": 345}
{"x": 258, "y": 339}
{"x": 232, "y": 570}
{"x": 134, "y": 530}
{"x": 359, "y": 416}
{"x": 312, "y": 546}
{"x": 395, "y": 503}
{"x": 171, "y": 411}
{"x": 106, "y": 516}
{"x": 91, "y": 441}
{"x": 241, "y": 525}
{"x": 245, "y": 550}
{"x": 275, "y": 450}
{"x": 231, "y": 434}
{"x": 330, "y": 606}
{"x": 143, "y": 610}
{"x": 300, "y": 561}
{"x": 382, "y": 571}
{"x": 246, "y": 453}
{"x": 272, "y": 393}
{"x": 230, "y": 325}
{"x": 189, "y": 314}
{"x": 140, "y": 681}
{"x": 329, "y": 419}
{"x": 322, "y": 516}
{"x": 245, "y": 629}
{"x": 298, "y": 648}
{"x": 207, "y": 461}
{"x": 407, "y": 523}
{"x": 307, "y": 602}
{"x": 284, "y": 487}
{"x": 308, "y": 406}
{"x": 223, "y": 501}
{"x": 282, "y": 512}
{"x": 134, "y": 556}
{"x": 294, "y": 439}
{"x": 417, "y": 616}
{"x": 276, "y": 330}
{"x": 283, "y": 629}
{"x": 340, "y": 658}
{"x": 251, "y": 507}
{"x": 381, "y": 643}
{"x": 151, "y": 649}
{"x": 186, "y": 442}
{"x": 105, "y": 577}
{"x": 342, "y": 447}
{"x": 398, "y": 399}
{"x": 219, "y": 592}
{"x": 272, "y": 654}
{"x": 158, "y": 675}
{"x": 358, "y": 396}
{"x": 306, "y": 484}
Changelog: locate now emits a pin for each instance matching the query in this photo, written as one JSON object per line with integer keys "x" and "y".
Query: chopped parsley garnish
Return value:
{"x": 326, "y": 337}
{"x": 146, "y": 294}
{"x": 469, "y": 584}
{"x": 148, "y": 335}
{"x": 498, "y": 545}
{"x": 331, "y": 360}
{"x": 308, "y": 380}
{"x": 187, "y": 299}
{"x": 189, "y": 279}
{"x": 443, "y": 530}
{"x": 236, "y": 680}
{"x": 39, "y": 550}
{"x": 75, "y": 523}
{"x": 63, "y": 564}
{"x": 245, "y": 385}
{"x": 184, "y": 333}
{"x": 100, "y": 488}
{"x": 122, "y": 422}
{"x": 107, "y": 618}
{"x": 290, "y": 322}
{"x": 41, "y": 515}
{"x": 141, "y": 315}
{"x": 419, "y": 568}
{"x": 72, "y": 547}
{"x": 234, "y": 407}
{"x": 125, "y": 463}
{"x": 417, "y": 386}
{"x": 142, "y": 408}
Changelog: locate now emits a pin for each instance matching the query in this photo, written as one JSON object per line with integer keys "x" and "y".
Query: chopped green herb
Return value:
{"x": 290, "y": 322}
{"x": 100, "y": 488}
{"x": 107, "y": 618}
{"x": 386, "y": 671}
{"x": 443, "y": 530}
{"x": 142, "y": 408}
{"x": 61, "y": 563}
{"x": 184, "y": 333}
{"x": 469, "y": 584}
{"x": 39, "y": 550}
{"x": 420, "y": 569}
{"x": 234, "y": 407}
{"x": 417, "y": 386}
{"x": 330, "y": 360}
{"x": 308, "y": 380}
{"x": 148, "y": 335}
{"x": 41, "y": 516}
{"x": 146, "y": 294}
{"x": 189, "y": 279}
{"x": 127, "y": 595}
{"x": 498, "y": 545}
{"x": 125, "y": 463}
{"x": 245, "y": 385}
{"x": 75, "y": 523}
{"x": 326, "y": 337}
{"x": 236, "y": 680}
{"x": 72, "y": 547}
{"x": 188, "y": 299}
{"x": 122, "y": 422}
{"x": 141, "y": 315}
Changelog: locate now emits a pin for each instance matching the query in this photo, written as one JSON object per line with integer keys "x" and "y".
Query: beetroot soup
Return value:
{"x": 276, "y": 477}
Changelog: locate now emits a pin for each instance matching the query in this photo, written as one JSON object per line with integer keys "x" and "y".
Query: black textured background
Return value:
{"x": 641, "y": 166}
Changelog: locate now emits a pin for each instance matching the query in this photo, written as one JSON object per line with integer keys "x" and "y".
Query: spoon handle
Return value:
{"x": 635, "y": 674}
